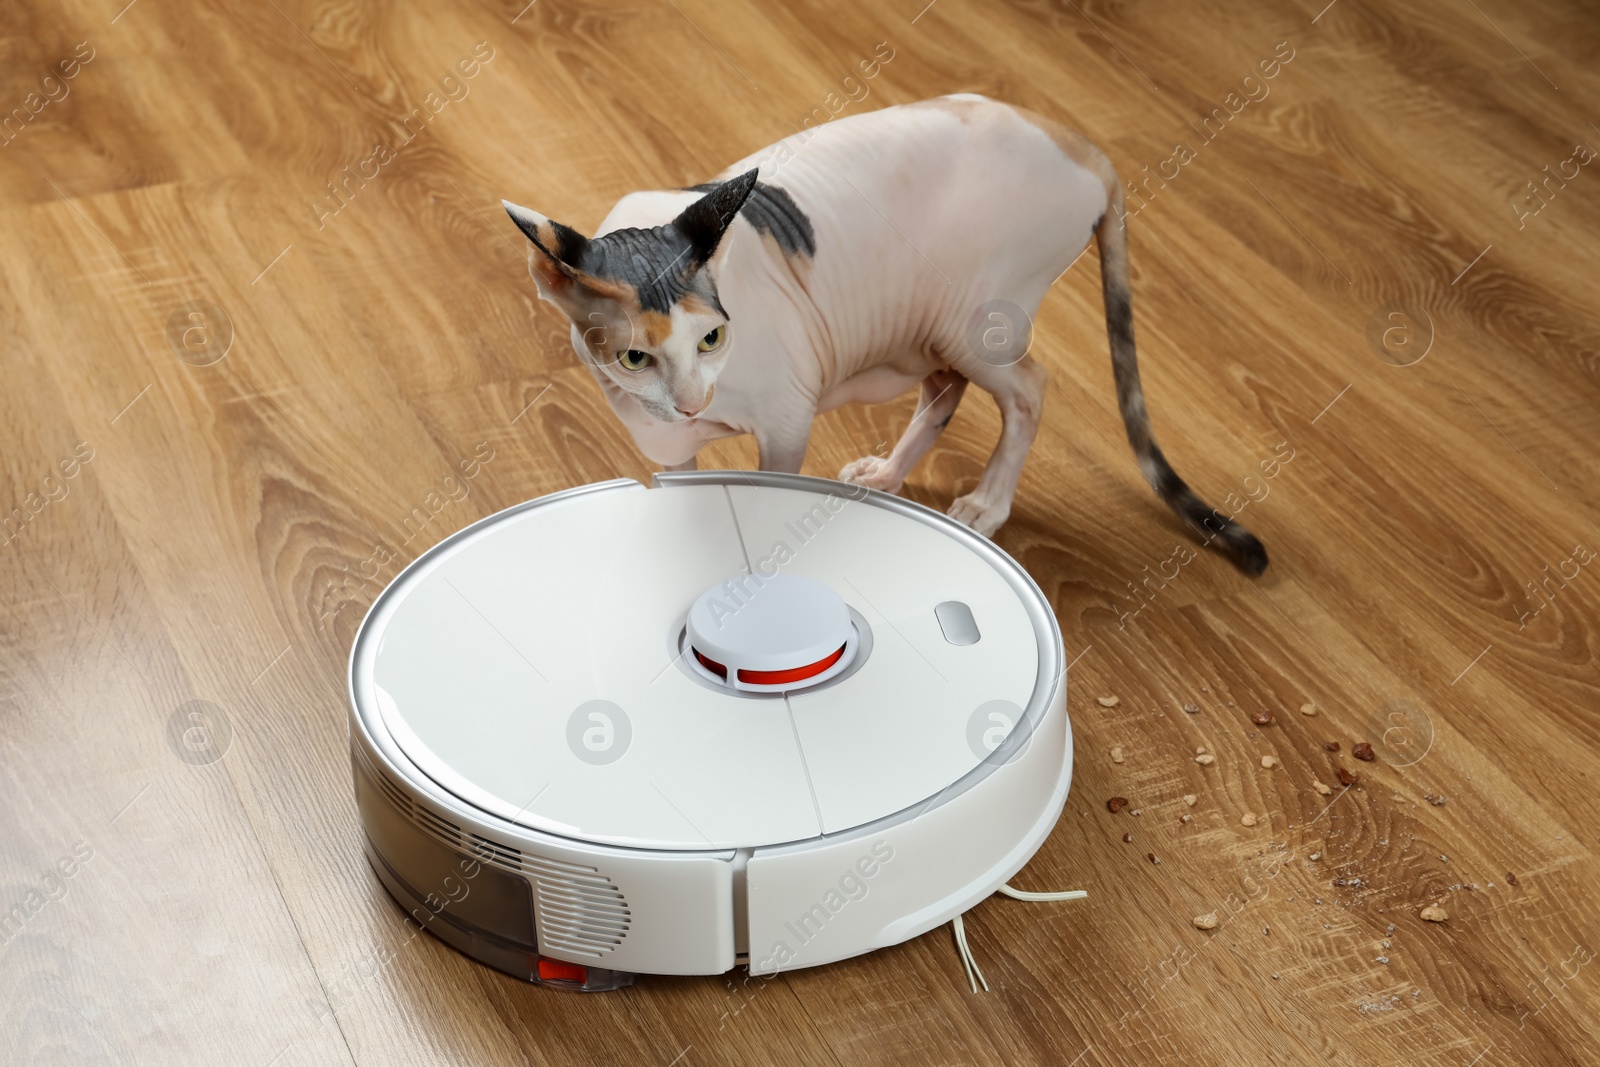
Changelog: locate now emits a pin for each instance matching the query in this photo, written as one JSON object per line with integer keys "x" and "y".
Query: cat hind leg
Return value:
{"x": 1019, "y": 389}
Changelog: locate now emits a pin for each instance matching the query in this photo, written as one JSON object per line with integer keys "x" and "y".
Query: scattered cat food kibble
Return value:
{"x": 1269, "y": 762}
{"x": 1151, "y": 856}
{"x": 1116, "y": 804}
{"x": 1319, "y": 787}
{"x": 1127, "y": 839}
{"x": 1307, "y": 709}
{"x": 1186, "y": 817}
{"x": 1363, "y": 751}
{"x": 1247, "y": 819}
{"x": 1205, "y": 759}
{"x": 1511, "y": 879}
{"x": 1434, "y": 914}
{"x": 1348, "y": 777}
{"x": 1208, "y": 921}
{"x": 1190, "y": 798}
{"x": 1262, "y": 718}
{"x": 1108, "y": 702}
{"x": 1436, "y": 799}
{"x": 1331, "y": 746}
{"x": 1116, "y": 754}
{"x": 1192, "y": 709}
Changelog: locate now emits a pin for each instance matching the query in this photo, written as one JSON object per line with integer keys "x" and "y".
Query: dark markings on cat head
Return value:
{"x": 651, "y": 269}
{"x": 772, "y": 211}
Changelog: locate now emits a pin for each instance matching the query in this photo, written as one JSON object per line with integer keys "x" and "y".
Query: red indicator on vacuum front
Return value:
{"x": 561, "y": 971}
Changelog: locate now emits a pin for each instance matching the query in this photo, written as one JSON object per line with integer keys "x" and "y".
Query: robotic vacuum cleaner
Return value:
{"x": 732, "y": 718}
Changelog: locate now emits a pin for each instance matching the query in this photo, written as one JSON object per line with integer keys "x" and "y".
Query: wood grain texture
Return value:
{"x": 223, "y": 538}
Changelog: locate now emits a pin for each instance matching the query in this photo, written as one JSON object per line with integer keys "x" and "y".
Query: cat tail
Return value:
{"x": 1215, "y": 529}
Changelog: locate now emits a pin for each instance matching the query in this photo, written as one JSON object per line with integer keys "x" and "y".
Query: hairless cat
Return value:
{"x": 906, "y": 247}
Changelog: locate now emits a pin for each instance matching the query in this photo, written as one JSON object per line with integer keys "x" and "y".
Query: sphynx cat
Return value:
{"x": 850, "y": 263}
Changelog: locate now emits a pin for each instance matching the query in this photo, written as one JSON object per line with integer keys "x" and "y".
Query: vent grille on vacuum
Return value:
{"x": 578, "y": 909}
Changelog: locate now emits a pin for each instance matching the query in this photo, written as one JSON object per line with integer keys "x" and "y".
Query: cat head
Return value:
{"x": 644, "y": 301}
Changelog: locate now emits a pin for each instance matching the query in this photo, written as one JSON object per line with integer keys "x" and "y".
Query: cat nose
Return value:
{"x": 691, "y": 412}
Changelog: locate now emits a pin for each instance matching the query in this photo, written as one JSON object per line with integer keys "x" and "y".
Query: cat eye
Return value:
{"x": 711, "y": 341}
{"x": 633, "y": 359}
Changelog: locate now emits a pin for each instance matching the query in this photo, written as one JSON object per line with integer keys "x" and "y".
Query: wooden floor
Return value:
{"x": 1356, "y": 318}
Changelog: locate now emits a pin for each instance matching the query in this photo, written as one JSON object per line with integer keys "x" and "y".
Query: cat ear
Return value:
{"x": 556, "y": 265}
{"x": 705, "y": 221}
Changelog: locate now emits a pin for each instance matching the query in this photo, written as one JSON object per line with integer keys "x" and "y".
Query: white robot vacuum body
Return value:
{"x": 735, "y": 718}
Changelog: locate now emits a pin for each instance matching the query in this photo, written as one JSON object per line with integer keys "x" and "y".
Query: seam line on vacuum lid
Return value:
{"x": 805, "y": 765}
{"x": 738, "y": 530}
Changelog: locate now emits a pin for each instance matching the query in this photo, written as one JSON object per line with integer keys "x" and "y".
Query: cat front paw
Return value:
{"x": 983, "y": 515}
{"x": 873, "y": 472}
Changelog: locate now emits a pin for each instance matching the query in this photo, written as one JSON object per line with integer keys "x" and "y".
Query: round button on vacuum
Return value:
{"x": 771, "y": 633}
